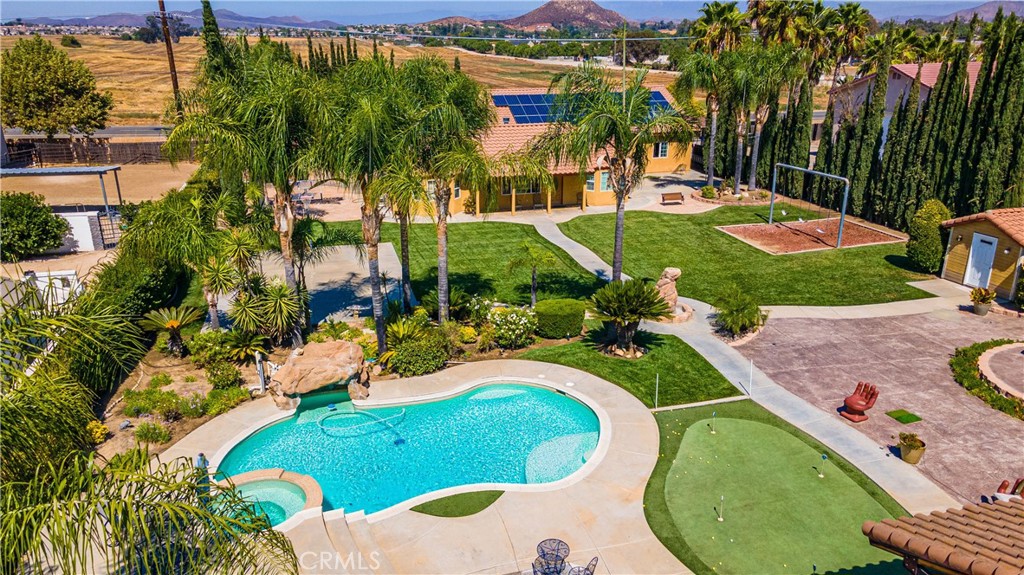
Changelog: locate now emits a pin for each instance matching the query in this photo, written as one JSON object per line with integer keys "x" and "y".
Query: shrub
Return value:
{"x": 458, "y": 304}
{"x": 221, "y": 401}
{"x": 404, "y": 330}
{"x": 467, "y": 334}
{"x": 29, "y": 226}
{"x": 964, "y": 364}
{"x": 135, "y": 285}
{"x": 558, "y": 318}
{"x": 708, "y": 192}
{"x": 478, "y": 309}
{"x": 160, "y": 380}
{"x": 910, "y": 441}
{"x": 223, "y": 375}
{"x": 69, "y": 41}
{"x": 151, "y": 400}
{"x": 209, "y": 347}
{"x": 738, "y": 312}
{"x": 152, "y": 433}
{"x": 925, "y": 247}
{"x": 486, "y": 340}
{"x": 513, "y": 326}
{"x": 420, "y": 356}
{"x": 97, "y": 432}
{"x": 243, "y": 345}
{"x": 190, "y": 379}
{"x": 192, "y": 406}
{"x": 334, "y": 330}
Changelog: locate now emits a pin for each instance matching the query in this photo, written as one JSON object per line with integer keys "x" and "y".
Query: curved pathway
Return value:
{"x": 915, "y": 492}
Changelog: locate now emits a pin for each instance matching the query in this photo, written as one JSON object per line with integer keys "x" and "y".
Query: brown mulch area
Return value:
{"x": 793, "y": 237}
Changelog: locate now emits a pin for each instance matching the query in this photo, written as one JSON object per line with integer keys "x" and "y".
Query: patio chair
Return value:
{"x": 542, "y": 566}
{"x": 862, "y": 399}
{"x": 588, "y": 570}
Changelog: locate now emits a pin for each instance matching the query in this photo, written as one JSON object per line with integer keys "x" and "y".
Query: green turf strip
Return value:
{"x": 460, "y": 505}
{"x": 780, "y": 517}
{"x": 903, "y": 416}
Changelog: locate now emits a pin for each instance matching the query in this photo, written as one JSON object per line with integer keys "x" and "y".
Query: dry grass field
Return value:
{"x": 137, "y": 74}
{"x": 138, "y": 182}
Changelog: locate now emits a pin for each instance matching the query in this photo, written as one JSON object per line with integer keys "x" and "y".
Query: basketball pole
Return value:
{"x": 846, "y": 194}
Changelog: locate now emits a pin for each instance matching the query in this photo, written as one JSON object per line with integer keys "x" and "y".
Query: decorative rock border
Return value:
{"x": 696, "y": 196}
{"x": 746, "y": 338}
{"x": 985, "y": 369}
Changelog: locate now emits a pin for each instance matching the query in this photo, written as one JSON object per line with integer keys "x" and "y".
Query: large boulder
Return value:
{"x": 666, "y": 286}
{"x": 315, "y": 366}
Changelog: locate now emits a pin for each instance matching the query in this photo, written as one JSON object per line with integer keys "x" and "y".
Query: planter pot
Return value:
{"x": 982, "y": 308}
{"x": 911, "y": 455}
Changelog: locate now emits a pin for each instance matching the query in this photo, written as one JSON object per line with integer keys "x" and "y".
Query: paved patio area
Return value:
{"x": 971, "y": 447}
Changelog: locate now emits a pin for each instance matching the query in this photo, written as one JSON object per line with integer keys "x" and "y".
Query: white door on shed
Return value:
{"x": 979, "y": 262}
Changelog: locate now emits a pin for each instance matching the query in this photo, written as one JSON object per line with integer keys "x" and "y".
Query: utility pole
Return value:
{"x": 170, "y": 58}
{"x": 623, "y": 65}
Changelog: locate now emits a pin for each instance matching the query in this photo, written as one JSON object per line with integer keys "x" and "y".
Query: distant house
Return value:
{"x": 849, "y": 97}
{"x": 986, "y": 250}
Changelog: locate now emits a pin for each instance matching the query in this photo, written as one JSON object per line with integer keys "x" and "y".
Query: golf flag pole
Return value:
{"x": 721, "y": 509}
{"x": 657, "y": 383}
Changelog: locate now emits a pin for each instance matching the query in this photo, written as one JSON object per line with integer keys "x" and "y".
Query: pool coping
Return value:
{"x": 603, "y": 442}
{"x": 310, "y": 488}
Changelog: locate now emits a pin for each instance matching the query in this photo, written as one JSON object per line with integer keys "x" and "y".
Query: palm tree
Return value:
{"x": 815, "y": 32}
{"x": 357, "y": 138}
{"x": 131, "y": 515}
{"x": 532, "y": 256}
{"x": 447, "y": 112}
{"x": 258, "y": 121}
{"x": 936, "y": 47}
{"x": 617, "y": 125}
{"x": 240, "y": 249}
{"x": 625, "y": 305}
{"x": 849, "y": 33}
{"x": 172, "y": 320}
{"x": 776, "y": 20}
{"x": 313, "y": 241}
{"x": 720, "y": 27}
{"x": 701, "y": 71}
{"x": 899, "y": 42}
{"x": 218, "y": 278}
{"x": 770, "y": 68}
{"x": 406, "y": 196}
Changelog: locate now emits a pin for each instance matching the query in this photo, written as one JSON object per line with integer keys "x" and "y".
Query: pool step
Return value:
{"x": 313, "y": 546}
{"x": 367, "y": 544}
{"x": 345, "y": 545}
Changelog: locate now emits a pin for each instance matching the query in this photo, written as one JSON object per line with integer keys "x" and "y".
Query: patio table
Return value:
{"x": 554, "y": 553}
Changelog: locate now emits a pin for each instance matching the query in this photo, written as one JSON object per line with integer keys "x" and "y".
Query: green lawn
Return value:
{"x": 779, "y": 516}
{"x": 686, "y": 377}
{"x": 710, "y": 259}
{"x": 460, "y": 505}
{"x": 478, "y": 254}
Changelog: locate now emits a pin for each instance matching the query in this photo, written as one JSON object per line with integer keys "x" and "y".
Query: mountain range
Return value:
{"x": 579, "y": 13}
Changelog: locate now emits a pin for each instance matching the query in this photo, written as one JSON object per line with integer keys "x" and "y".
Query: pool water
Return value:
{"x": 371, "y": 459}
{"x": 278, "y": 499}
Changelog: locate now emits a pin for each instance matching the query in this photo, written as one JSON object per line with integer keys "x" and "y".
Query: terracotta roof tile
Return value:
{"x": 929, "y": 75}
{"x": 1009, "y": 220}
{"x": 504, "y": 138}
{"x": 986, "y": 539}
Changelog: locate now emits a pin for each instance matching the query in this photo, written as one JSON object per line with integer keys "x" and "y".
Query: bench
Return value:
{"x": 672, "y": 197}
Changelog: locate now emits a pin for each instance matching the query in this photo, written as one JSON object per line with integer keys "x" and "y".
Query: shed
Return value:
{"x": 986, "y": 250}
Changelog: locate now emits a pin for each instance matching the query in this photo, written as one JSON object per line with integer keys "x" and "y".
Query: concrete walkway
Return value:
{"x": 915, "y": 492}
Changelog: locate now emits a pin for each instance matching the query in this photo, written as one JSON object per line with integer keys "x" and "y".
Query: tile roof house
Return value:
{"x": 986, "y": 250}
{"x": 523, "y": 115}
{"x": 850, "y": 97}
{"x": 983, "y": 539}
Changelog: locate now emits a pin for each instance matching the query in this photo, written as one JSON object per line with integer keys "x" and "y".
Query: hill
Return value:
{"x": 578, "y": 13}
{"x": 986, "y": 11}
{"x": 454, "y": 21}
{"x": 225, "y": 18}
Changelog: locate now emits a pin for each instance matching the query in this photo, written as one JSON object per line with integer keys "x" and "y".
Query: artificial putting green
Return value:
{"x": 903, "y": 416}
{"x": 460, "y": 505}
{"x": 779, "y": 516}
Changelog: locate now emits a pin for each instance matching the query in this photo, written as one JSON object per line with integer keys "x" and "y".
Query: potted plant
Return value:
{"x": 982, "y": 299}
{"x": 911, "y": 448}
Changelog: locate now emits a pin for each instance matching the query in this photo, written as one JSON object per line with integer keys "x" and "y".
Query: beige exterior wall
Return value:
{"x": 1004, "y": 265}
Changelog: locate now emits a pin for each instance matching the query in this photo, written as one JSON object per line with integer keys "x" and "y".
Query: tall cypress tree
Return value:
{"x": 823, "y": 159}
{"x": 767, "y": 157}
{"x": 799, "y": 152}
{"x": 869, "y": 140}
{"x": 993, "y": 185}
{"x": 218, "y": 59}
{"x": 896, "y": 175}
{"x": 348, "y": 48}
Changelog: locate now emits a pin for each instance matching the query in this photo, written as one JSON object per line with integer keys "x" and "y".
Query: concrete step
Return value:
{"x": 314, "y": 548}
{"x": 345, "y": 544}
{"x": 373, "y": 556}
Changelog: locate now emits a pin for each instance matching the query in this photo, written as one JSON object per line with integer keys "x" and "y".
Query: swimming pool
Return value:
{"x": 278, "y": 499}
{"x": 372, "y": 459}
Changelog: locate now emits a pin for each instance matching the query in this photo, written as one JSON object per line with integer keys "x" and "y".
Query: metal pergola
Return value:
{"x": 72, "y": 171}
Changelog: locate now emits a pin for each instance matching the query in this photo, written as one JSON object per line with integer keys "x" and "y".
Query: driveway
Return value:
{"x": 971, "y": 446}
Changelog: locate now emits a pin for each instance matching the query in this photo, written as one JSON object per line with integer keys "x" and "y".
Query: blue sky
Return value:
{"x": 382, "y": 11}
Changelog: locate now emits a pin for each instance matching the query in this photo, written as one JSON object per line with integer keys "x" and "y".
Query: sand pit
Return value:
{"x": 806, "y": 236}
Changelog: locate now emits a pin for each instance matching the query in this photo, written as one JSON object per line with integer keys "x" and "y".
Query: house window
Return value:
{"x": 590, "y": 182}
{"x": 431, "y": 189}
{"x": 506, "y": 188}
{"x": 604, "y": 182}
{"x": 661, "y": 149}
{"x": 505, "y": 120}
{"x": 534, "y": 188}
{"x": 457, "y": 192}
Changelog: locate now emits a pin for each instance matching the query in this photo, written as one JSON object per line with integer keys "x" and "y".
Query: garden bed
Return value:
{"x": 806, "y": 236}
{"x": 730, "y": 200}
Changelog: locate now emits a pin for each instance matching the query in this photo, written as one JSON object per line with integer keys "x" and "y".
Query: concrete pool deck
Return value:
{"x": 599, "y": 513}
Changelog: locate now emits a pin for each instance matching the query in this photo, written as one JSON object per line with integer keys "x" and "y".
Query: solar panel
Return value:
{"x": 500, "y": 101}
{"x": 536, "y": 108}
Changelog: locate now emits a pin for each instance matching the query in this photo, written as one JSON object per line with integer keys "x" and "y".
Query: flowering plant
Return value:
{"x": 513, "y": 326}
